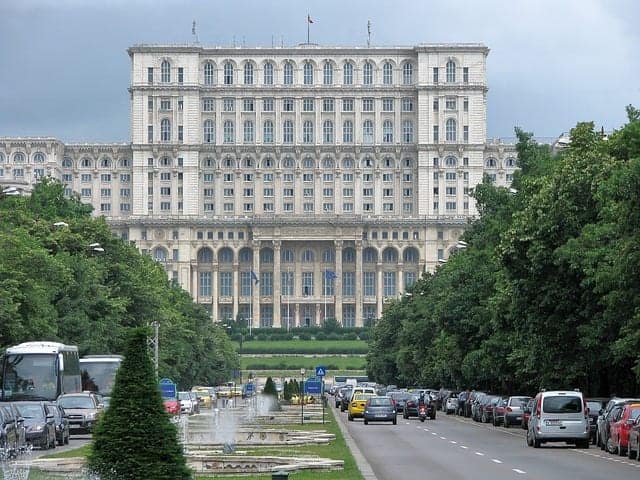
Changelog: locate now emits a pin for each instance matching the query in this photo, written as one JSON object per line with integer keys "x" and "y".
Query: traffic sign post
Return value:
{"x": 321, "y": 371}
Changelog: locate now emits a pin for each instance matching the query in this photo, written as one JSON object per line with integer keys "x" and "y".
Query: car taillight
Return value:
{"x": 538, "y": 410}
{"x": 509, "y": 409}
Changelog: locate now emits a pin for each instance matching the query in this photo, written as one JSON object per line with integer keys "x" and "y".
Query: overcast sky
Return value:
{"x": 64, "y": 70}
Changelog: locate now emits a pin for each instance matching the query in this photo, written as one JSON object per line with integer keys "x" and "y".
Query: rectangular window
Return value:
{"x": 307, "y": 283}
{"x": 308, "y": 105}
{"x": 228, "y": 177}
{"x": 367, "y": 104}
{"x": 327, "y": 207}
{"x": 266, "y": 283}
{"x": 287, "y": 177}
{"x": 327, "y": 105}
{"x": 347, "y": 207}
{"x": 307, "y": 192}
{"x": 165, "y": 206}
{"x": 105, "y": 192}
{"x": 267, "y": 207}
{"x": 267, "y": 104}
{"x": 367, "y": 192}
{"x": 228, "y": 192}
{"x": 180, "y": 75}
{"x": 407, "y": 207}
{"x": 450, "y": 190}
{"x": 208, "y": 104}
{"x": 228, "y": 207}
{"x": 267, "y": 177}
{"x": 207, "y": 177}
{"x": 205, "y": 284}
{"x": 287, "y": 105}
{"x": 229, "y": 104}
{"x": 248, "y": 207}
{"x": 165, "y": 104}
{"x": 165, "y": 176}
{"x": 347, "y": 177}
{"x": 450, "y": 205}
{"x": 150, "y": 134}
{"x": 436, "y": 104}
{"x": 287, "y": 192}
{"x": 86, "y": 178}
{"x": 307, "y": 177}
{"x": 105, "y": 207}
{"x": 347, "y": 192}
{"x": 436, "y": 133}
{"x": 387, "y": 192}
{"x": 286, "y": 281}
{"x": 125, "y": 207}
{"x": 465, "y": 104}
{"x": 450, "y": 103}
{"x": 465, "y": 133}
{"x": 389, "y": 284}
{"x": 67, "y": 177}
{"x": 367, "y": 207}
{"x": 387, "y": 207}
{"x": 247, "y": 104}
{"x": 369, "y": 284}
{"x": 150, "y": 75}
{"x": 267, "y": 192}
{"x": 435, "y": 74}
{"x": 226, "y": 284}
{"x": 248, "y": 192}
{"x": 407, "y": 177}
{"x": 327, "y": 177}
{"x": 125, "y": 192}
{"x": 150, "y": 104}
{"x": 327, "y": 192}
{"x": 450, "y": 176}
{"x": 307, "y": 207}
{"x": 347, "y": 104}
{"x": 85, "y": 192}
{"x": 287, "y": 207}
{"x": 407, "y": 104}
{"x": 348, "y": 284}
{"x": 180, "y": 133}
{"x": 208, "y": 192}
{"x": 407, "y": 192}
{"x": 465, "y": 74}
{"x": 387, "y": 104}
{"x": 180, "y": 105}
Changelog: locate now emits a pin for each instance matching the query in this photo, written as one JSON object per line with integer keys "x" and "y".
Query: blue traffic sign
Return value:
{"x": 313, "y": 386}
{"x": 321, "y": 371}
{"x": 168, "y": 389}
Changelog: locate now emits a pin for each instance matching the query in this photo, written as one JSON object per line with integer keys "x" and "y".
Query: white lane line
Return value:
{"x": 434, "y": 433}
{"x": 480, "y": 454}
{"x": 517, "y": 470}
{"x": 495, "y": 460}
{"x": 462, "y": 446}
{"x": 443, "y": 438}
{"x": 426, "y": 429}
{"x": 453, "y": 441}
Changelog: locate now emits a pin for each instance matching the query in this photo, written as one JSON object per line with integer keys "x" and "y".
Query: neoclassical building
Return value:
{"x": 287, "y": 185}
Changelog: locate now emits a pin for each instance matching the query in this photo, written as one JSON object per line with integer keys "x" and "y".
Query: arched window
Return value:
{"x": 387, "y": 73}
{"x": 347, "y": 131}
{"x": 2, "y": 159}
{"x": 307, "y": 256}
{"x": 328, "y": 256}
{"x": 367, "y": 131}
{"x": 451, "y": 71}
{"x": 165, "y": 162}
{"x": 165, "y": 130}
{"x": 369, "y": 255}
{"x": 308, "y": 162}
{"x": 491, "y": 162}
{"x": 228, "y": 73}
{"x": 39, "y": 158}
{"x": 205, "y": 255}
{"x": 407, "y": 131}
{"x": 86, "y": 162}
{"x": 451, "y": 130}
{"x": 287, "y": 131}
{"x": 18, "y": 157}
{"x": 288, "y": 163}
{"x": 307, "y": 132}
{"x": 367, "y": 162}
{"x": 246, "y": 255}
{"x": 267, "y": 132}
{"x": 209, "y": 135}
{"x": 387, "y": 131}
{"x": 286, "y": 256}
{"x": 160, "y": 254}
{"x": 266, "y": 256}
{"x": 247, "y": 162}
{"x": 268, "y": 73}
{"x": 165, "y": 72}
{"x": 125, "y": 162}
{"x": 347, "y": 163}
{"x": 347, "y": 73}
{"x": 248, "y": 73}
{"x": 408, "y": 162}
{"x": 390, "y": 255}
{"x": 327, "y": 131}
{"x": 225, "y": 255}
{"x": 407, "y": 73}
{"x": 308, "y": 73}
{"x": 511, "y": 162}
{"x": 229, "y": 162}
{"x": 209, "y": 163}
{"x": 267, "y": 162}
{"x": 328, "y": 73}
{"x": 410, "y": 255}
{"x": 367, "y": 73}
{"x": 348, "y": 255}
{"x": 288, "y": 73}
{"x": 450, "y": 161}
{"x": 209, "y": 74}
{"x": 228, "y": 132}
{"x": 67, "y": 162}
{"x": 389, "y": 162}
{"x": 327, "y": 163}
{"x": 105, "y": 162}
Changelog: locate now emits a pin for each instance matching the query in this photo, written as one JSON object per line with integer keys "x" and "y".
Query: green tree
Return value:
{"x": 135, "y": 439}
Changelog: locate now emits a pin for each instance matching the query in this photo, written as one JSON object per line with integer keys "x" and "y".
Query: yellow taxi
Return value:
{"x": 357, "y": 404}
{"x": 204, "y": 396}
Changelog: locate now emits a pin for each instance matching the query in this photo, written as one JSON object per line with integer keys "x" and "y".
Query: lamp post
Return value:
{"x": 302, "y": 371}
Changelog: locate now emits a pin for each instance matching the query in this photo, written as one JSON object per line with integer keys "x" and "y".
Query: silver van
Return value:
{"x": 559, "y": 416}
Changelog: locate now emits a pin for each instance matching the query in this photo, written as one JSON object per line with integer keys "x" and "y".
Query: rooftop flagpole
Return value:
{"x": 309, "y": 22}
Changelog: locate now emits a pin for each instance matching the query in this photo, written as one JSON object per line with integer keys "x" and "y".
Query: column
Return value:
{"x": 358, "y": 282}
{"x": 255, "y": 287}
{"x": 236, "y": 289}
{"x": 400, "y": 278}
{"x": 337, "y": 283}
{"x": 296, "y": 319}
{"x": 379, "y": 290}
{"x": 214, "y": 291}
{"x": 277, "y": 290}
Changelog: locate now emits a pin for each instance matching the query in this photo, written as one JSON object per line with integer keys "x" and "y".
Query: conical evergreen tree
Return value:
{"x": 135, "y": 439}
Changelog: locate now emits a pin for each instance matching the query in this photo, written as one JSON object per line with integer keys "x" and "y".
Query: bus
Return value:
{"x": 39, "y": 371}
{"x": 99, "y": 373}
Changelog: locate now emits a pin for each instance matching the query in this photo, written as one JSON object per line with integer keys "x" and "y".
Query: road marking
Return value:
{"x": 521, "y": 472}
{"x": 453, "y": 441}
{"x": 462, "y": 446}
{"x": 443, "y": 438}
{"x": 480, "y": 454}
{"x": 434, "y": 433}
{"x": 495, "y": 460}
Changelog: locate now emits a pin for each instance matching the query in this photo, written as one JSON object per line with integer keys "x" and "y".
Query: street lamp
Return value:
{"x": 302, "y": 372}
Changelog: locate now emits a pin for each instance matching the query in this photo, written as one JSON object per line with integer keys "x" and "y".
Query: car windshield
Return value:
{"x": 594, "y": 407}
{"x": 562, "y": 404}
{"x": 184, "y": 396}
{"x": 76, "y": 402}
{"x": 379, "y": 401}
{"x": 518, "y": 401}
{"x": 31, "y": 411}
{"x": 635, "y": 413}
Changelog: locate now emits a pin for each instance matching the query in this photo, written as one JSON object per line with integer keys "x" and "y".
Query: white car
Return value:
{"x": 188, "y": 402}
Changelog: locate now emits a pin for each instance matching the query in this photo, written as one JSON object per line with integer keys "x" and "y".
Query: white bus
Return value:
{"x": 99, "y": 373}
{"x": 39, "y": 371}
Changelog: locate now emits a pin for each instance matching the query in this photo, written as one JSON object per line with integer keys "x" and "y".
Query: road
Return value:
{"x": 456, "y": 448}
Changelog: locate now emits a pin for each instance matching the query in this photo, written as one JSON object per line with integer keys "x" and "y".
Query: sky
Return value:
{"x": 64, "y": 69}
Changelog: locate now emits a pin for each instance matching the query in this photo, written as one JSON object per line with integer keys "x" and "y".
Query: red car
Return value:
{"x": 619, "y": 436}
{"x": 172, "y": 406}
{"x": 633, "y": 450}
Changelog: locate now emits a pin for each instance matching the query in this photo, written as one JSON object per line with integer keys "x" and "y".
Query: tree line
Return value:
{"x": 545, "y": 290}
{"x": 56, "y": 284}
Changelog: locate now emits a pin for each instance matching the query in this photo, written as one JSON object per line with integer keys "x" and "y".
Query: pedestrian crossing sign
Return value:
{"x": 321, "y": 371}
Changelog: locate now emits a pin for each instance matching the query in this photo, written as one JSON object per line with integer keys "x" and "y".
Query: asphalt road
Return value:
{"x": 456, "y": 448}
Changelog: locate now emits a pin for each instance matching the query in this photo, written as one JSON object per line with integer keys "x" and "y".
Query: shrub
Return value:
{"x": 321, "y": 336}
{"x": 305, "y": 336}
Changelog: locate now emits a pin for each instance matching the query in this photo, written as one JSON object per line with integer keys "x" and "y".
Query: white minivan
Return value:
{"x": 559, "y": 416}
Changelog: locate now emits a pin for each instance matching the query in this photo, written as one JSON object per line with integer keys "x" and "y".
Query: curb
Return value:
{"x": 361, "y": 461}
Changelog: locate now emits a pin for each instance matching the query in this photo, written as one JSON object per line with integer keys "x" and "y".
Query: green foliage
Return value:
{"x": 350, "y": 347}
{"x": 135, "y": 439}
{"x": 547, "y": 291}
{"x": 54, "y": 286}
{"x": 270, "y": 388}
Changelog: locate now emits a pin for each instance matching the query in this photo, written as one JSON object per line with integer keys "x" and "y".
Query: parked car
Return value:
{"x": 451, "y": 404}
{"x": 618, "y": 440}
{"x": 400, "y": 398}
{"x": 188, "y": 402}
{"x": 357, "y": 404}
{"x": 380, "y": 409}
{"x": 475, "y": 399}
{"x": 595, "y": 407}
{"x": 606, "y": 418}
{"x": 499, "y": 410}
{"x": 526, "y": 413}
{"x": 61, "y": 421}
{"x": 8, "y": 435}
{"x": 339, "y": 394}
{"x": 205, "y": 399}
{"x": 410, "y": 407}
{"x": 171, "y": 406}
{"x": 83, "y": 410}
{"x": 559, "y": 416}
{"x": 39, "y": 424}
{"x": 633, "y": 450}
{"x": 514, "y": 410}
{"x": 10, "y": 411}
{"x": 487, "y": 406}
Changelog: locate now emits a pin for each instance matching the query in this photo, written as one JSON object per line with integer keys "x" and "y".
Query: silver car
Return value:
{"x": 559, "y": 416}
{"x": 514, "y": 410}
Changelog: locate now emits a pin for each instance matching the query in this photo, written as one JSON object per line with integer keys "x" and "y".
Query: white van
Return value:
{"x": 559, "y": 416}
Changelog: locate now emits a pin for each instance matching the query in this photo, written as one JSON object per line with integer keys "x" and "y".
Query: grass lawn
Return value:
{"x": 304, "y": 346}
{"x": 332, "y": 363}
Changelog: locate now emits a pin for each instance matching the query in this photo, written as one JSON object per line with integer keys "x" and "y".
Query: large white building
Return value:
{"x": 288, "y": 185}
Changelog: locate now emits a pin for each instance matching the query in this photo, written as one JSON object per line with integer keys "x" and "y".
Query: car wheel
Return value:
{"x": 350, "y": 418}
{"x": 366, "y": 422}
{"x": 601, "y": 443}
{"x": 529, "y": 442}
{"x": 630, "y": 453}
{"x": 584, "y": 443}
{"x": 484, "y": 418}
{"x": 66, "y": 439}
{"x": 536, "y": 442}
{"x": 395, "y": 421}
{"x": 621, "y": 451}
{"x": 610, "y": 448}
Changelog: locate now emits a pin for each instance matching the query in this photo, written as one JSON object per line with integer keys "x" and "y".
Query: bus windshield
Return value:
{"x": 30, "y": 377}
{"x": 99, "y": 376}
